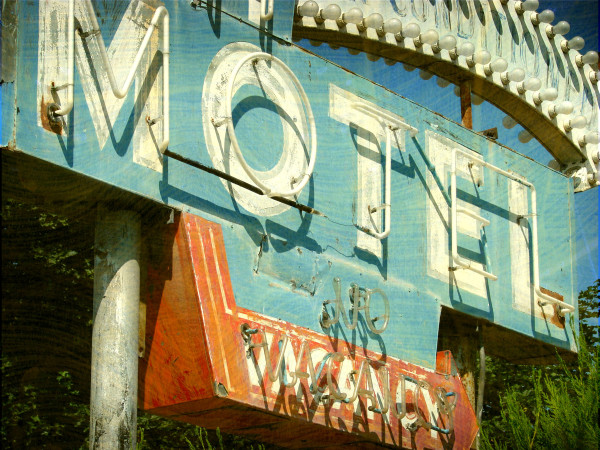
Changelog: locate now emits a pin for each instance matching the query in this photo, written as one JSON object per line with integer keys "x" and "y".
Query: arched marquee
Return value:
{"x": 512, "y": 55}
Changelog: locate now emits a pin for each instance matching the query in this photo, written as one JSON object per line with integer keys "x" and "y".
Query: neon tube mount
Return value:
{"x": 55, "y": 111}
{"x": 544, "y": 299}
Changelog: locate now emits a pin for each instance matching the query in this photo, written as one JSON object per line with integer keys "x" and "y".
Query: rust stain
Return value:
{"x": 46, "y": 124}
{"x": 555, "y": 318}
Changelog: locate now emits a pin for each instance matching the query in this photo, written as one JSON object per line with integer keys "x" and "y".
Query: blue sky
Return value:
{"x": 583, "y": 17}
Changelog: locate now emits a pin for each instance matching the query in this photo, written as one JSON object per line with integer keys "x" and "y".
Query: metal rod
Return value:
{"x": 465, "y": 105}
{"x": 114, "y": 368}
{"x": 241, "y": 183}
{"x": 481, "y": 387}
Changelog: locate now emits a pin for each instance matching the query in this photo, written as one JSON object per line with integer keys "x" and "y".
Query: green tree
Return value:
{"x": 553, "y": 406}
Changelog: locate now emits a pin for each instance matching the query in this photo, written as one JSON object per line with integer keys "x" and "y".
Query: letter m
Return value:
{"x": 131, "y": 21}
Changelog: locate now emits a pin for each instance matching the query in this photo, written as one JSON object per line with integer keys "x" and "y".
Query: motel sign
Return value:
{"x": 327, "y": 237}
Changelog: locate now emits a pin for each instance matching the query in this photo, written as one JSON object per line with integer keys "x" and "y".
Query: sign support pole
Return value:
{"x": 465, "y": 105}
{"x": 113, "y": 402}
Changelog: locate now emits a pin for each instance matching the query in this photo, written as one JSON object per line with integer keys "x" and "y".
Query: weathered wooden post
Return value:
{"x": 114, "y": 383}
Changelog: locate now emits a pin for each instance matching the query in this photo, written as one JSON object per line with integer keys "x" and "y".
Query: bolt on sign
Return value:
{"x": 325, "y": 225}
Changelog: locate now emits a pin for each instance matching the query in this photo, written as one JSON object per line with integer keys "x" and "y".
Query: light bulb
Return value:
{"x": 393, "y": 26}
{"x": 308, "y": 9}
{"x": 448, "y": 42}
{"x": 560, "y": 28}
{"x": 442, "y": 82}
{"x": 464, "y": 49}
{"x": 515, "y": 75}
{"x": 479, "y": 57}
{"x": 330, "y": 12}
{"x": 531, "y": 84}
{"x": 482, "y": 57}
{"x": 525, "y": 136}
{"x": 498, "y": 65}
{"x": 476, "y": 99}
{"x": 548, "y": 94}
{"x": 575, "y": 122}
{"x": 374, "y": 20}
{"x": 577, "y": 43}
{"x": 508, "y": 122}
{"x": 372, "y": 57}
{"x": 593, "y": 76}
{"x": 353, "y": 15}
{"x": 527, "y": 5}
{"x": 389, "y": 62}
{"x": 425, "y": 75}
{"x": 412, "y": 30}
{"x": 429, "y": 37}
{"x": 590, "y": 137}
{"x": 590, "y": 58}
{"x": 546, "y": 16}
{"x": 562, "y": 108}
{"x": 554, "y": 164}
{"x": 408, "y": 67}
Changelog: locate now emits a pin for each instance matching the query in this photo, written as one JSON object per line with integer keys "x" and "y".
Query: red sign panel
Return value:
{"x": 211, "y": 363}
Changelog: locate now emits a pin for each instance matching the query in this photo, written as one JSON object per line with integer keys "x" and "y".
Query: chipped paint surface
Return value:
{"x": 205, "y": 374}
{"x": 260, "y": 263}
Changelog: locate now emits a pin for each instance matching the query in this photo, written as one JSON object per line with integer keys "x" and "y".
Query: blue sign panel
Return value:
{"x": 328, "y": 187}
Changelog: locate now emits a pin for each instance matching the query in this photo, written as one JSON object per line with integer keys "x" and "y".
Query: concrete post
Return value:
{"x": 113, "y": 403}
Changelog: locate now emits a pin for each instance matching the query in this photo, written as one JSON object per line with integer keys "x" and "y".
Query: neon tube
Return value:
{"x": 264, "y": 15}
{"x": 456, "y": 258}
{"x": 66, "y": 109}
{"x": 389, "y": 123}
{"x": 231, "y": 130}
{"x": 545, "y": 299}
{"x": 119, "y": 92}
